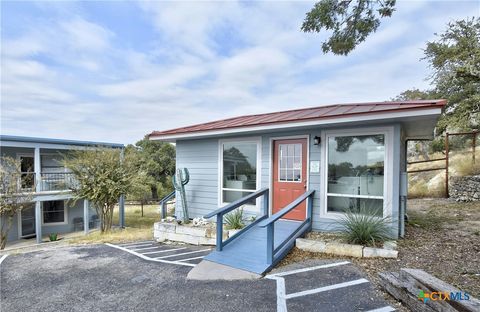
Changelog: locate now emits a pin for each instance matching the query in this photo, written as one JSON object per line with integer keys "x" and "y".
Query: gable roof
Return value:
{"x": 320, "y": 113}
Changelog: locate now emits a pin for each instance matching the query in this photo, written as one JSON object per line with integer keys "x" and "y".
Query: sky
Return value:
{"x": 115, "y": 71}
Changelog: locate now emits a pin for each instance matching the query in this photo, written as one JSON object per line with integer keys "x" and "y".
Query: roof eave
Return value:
{"x": 385, "y": 115}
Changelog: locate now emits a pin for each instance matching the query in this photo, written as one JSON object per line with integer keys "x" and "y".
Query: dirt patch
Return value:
{"x": 441, "y": 238}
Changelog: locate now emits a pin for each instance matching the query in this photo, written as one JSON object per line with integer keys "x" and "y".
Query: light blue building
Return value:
{"x": 353, "y": 156}
{"x": 52, "y": 209}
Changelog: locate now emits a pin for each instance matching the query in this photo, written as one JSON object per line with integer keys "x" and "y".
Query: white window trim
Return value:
{"x": 388, "y": 169}
{"x": 65, "y": 214}
{"x": 256, "y": 140}
{"x": 270, "y": 165}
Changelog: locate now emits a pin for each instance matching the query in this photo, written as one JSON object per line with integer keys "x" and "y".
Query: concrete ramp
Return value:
{"x": 208, "y": 270}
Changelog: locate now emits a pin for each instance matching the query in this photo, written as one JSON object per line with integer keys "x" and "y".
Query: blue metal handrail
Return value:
{"x": 226, "y": 209}
{"x": 270, "y": 222}
{"x": 163, "y": 204}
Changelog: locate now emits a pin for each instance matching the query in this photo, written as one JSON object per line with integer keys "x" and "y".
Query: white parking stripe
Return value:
{"x": 281, "y": 300}
{"x": 384, "y": 309}
{"x": 148, "y": 258}
{"x": 326, "y": 288}
{"x": 134, "y": 243}
{"x": 3, "y": 258}
{"x": 194, "y": 258}
{"x": 136, "y": 246}
{"x": 330, "y": 265}
{"x": 145, "y": 248}
{"x": 166, "y": 250}
{"x": 181, "y": 254}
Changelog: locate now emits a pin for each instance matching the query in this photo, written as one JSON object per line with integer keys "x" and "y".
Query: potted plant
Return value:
{"x": 53, "y": 237}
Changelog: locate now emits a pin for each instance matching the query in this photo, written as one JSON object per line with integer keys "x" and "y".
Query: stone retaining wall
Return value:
{"x": 465, "y": 188}
{"x": 195, "y": 235}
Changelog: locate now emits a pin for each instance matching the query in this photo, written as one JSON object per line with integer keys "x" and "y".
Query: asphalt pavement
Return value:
{"x": 107, "y": 278}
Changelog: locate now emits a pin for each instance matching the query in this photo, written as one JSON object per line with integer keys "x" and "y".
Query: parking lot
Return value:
{"x": 148, "y": 276}
{"x": 165, "y": 253}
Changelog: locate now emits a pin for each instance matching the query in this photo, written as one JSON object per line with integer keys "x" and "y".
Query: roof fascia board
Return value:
{"x": 46, "y": 145}
{"x": 287, "y": 125}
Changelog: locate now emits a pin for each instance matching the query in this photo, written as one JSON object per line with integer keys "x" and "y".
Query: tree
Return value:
{"x": 414, "y": 94}
{"x": 102, "y": 177}
{"x": 351, "y": 21}
{"x": 455, "y": 60}
{"x": 157, "y": 159}
{"x": 13, "y": 198}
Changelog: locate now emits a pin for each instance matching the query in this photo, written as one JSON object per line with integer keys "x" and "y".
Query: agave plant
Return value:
{"x": 234, "y": 220}
{"x": 365, "y": 227}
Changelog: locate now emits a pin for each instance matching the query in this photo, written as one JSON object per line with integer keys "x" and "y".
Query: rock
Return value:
{"x": 310, "y": 245}
{"x": 391, "y": 245}
{"x": 164, "y": 227}
{"x": 344, "y": 249}
{"x": 465, "y": 188}
{"x": 369, "y": 252}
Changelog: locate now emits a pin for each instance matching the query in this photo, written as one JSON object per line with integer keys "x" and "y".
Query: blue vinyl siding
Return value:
{"x": 73, "y": 211}
{"x": 200, "y": 156}
{"x": 201, "y": 159}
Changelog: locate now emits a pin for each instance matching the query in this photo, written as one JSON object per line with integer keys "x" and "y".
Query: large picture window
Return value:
{"x": 239, "y": 169}
{"x": 355, "y": 173}
{"x": 54, "y": 212}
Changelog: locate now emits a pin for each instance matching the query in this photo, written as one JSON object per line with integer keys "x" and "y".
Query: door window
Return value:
{"x": 290, "y": 166}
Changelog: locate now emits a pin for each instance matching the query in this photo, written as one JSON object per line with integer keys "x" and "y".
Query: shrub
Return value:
{"x": 464, "y": 166}
{"x": 53, "y": 237}
{"x": 234, "y": 220}
{"x": 364, "y": 227}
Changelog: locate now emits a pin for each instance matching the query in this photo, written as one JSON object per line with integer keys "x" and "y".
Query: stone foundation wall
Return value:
{"x": 465, "y": 188}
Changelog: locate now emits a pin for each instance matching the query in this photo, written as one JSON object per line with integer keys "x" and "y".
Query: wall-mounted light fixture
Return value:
{"x": 316, "y": 140}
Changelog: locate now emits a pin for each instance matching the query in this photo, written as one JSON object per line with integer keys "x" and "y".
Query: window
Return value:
{"x": 355, "y": 173}
{"x": 54, "y": 212}
{"x": 290, "y": 168}
{"x": 28, "y": 171}
{"x": 239, "y": 169}
{"x": 52, "y": 163}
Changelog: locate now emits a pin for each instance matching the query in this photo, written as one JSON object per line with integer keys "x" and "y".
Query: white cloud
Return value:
{"x": 83, "y": 35}
{"x": 72, "y": 77}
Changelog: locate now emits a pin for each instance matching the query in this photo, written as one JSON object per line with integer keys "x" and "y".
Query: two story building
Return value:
{"x": 52, "y": 209}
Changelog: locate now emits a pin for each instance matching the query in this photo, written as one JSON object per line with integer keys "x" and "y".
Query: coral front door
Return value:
{"x": 289, "y": 176}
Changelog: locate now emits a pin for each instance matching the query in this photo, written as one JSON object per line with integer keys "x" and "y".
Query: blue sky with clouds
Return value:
{"x": 115, "y": 71}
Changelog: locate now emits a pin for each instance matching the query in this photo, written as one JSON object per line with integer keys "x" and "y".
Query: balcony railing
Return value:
{"x": 58, "y": 181}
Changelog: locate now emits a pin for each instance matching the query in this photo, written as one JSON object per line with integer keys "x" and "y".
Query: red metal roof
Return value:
{"x": 306, "y": 114}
